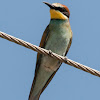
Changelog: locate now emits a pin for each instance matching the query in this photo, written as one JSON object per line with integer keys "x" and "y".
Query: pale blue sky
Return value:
{"x": 27, "y": 19}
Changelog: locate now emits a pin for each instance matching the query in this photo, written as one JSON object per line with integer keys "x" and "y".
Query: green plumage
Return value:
{"x": 58, "y": 37}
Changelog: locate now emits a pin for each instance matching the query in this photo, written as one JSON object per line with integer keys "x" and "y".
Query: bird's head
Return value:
{"x": 58, "y": 11}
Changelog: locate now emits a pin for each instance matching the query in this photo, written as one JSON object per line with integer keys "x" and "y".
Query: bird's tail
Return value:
{"x": 36, "y": 97}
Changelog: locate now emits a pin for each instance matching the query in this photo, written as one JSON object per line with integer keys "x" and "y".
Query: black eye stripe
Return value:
{"x": 62, "y": 10}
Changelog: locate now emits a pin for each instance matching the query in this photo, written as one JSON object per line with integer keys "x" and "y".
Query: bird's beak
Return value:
{"x": 50, "y": 5}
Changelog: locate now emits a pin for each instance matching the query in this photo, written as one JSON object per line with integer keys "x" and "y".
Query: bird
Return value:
{"x": 57, "y": 38}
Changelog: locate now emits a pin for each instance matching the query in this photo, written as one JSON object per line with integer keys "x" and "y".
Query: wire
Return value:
{"x": 50, "y": 53}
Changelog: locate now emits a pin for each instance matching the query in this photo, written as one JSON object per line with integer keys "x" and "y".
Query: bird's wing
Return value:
{"x": 70, "y": 42}
{"x": 43, "y": 40}
{"x": 42, "y": 44}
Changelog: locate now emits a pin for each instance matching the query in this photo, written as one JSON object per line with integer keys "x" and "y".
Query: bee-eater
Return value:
{"x": 57, "y": 37}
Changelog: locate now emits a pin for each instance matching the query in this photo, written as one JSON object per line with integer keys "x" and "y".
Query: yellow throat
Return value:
{"x": 57, "y": 14}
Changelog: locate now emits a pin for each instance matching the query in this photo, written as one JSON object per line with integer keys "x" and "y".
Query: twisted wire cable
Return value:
{"x": 50, "y": 53}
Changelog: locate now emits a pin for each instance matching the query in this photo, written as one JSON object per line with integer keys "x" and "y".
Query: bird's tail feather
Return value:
{"x": 35, "y": 97}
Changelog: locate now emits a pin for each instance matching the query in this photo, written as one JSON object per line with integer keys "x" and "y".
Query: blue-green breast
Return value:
{"x": 58, "y": 41}
{"x": 59, "y": 36}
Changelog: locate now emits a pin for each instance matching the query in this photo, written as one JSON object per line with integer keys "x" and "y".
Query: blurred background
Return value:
{"x": 27, "y": 20}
